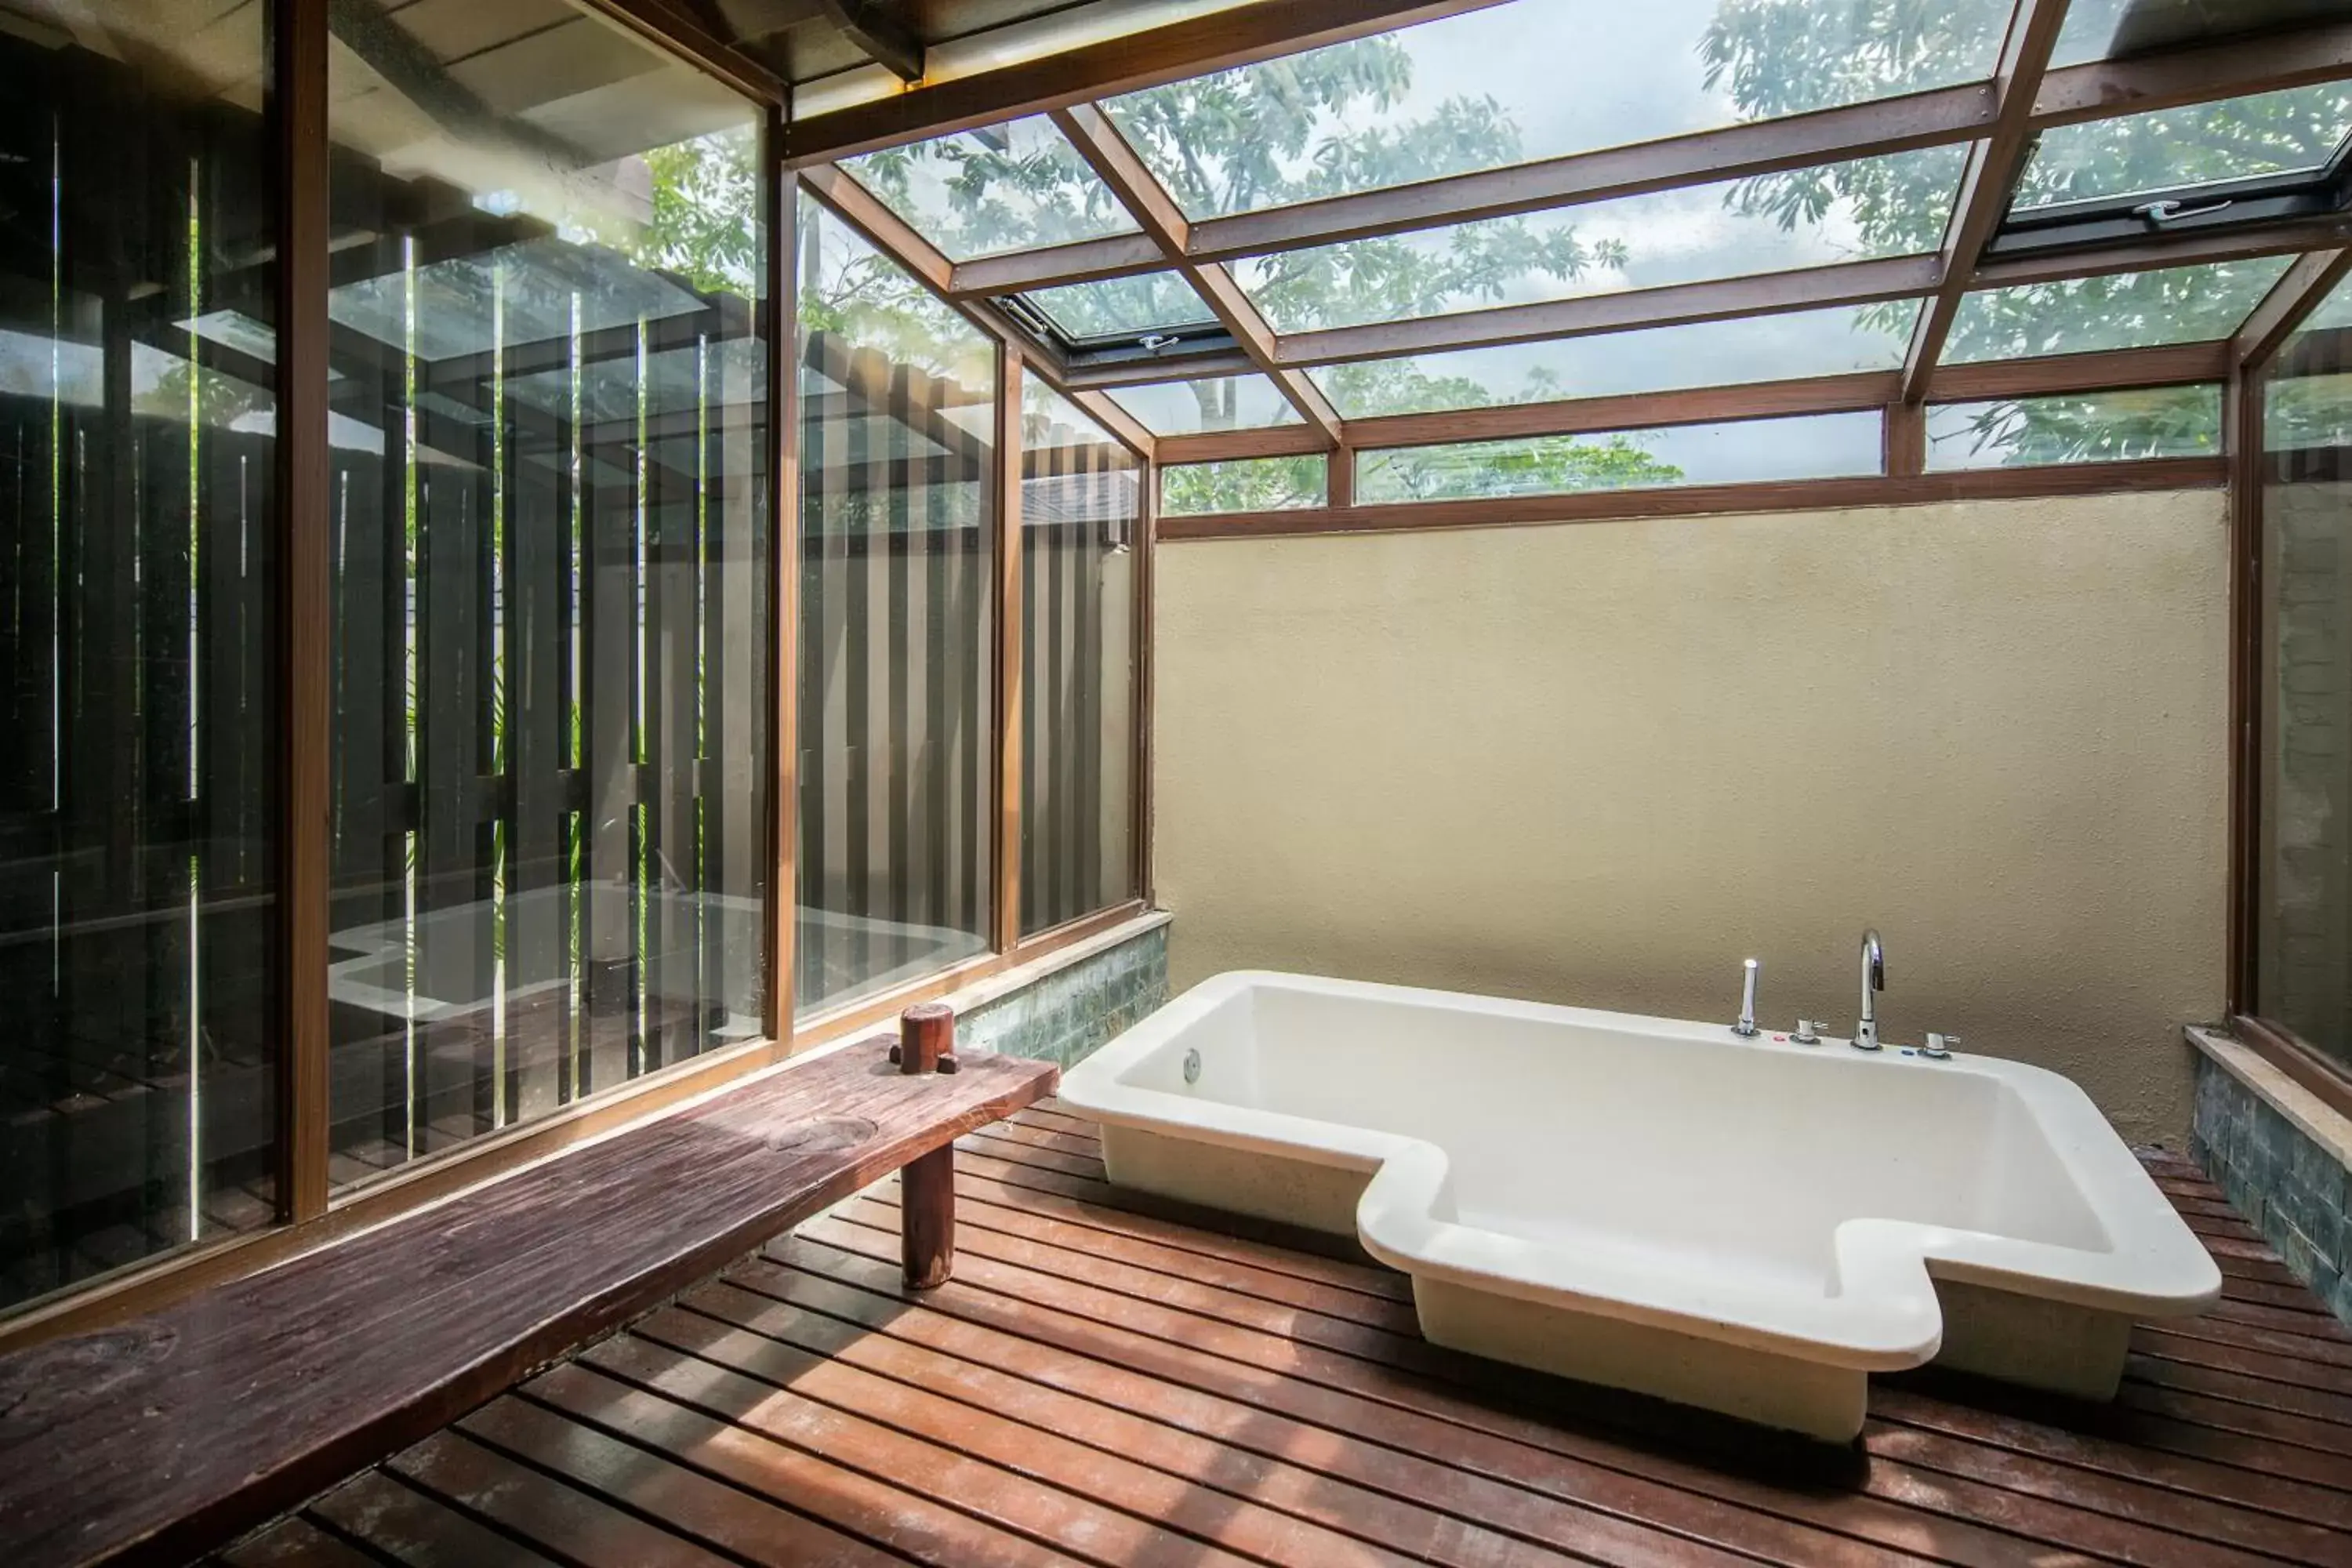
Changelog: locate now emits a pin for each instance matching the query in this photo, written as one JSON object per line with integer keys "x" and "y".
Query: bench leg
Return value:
{"x": 927, "y": 1218}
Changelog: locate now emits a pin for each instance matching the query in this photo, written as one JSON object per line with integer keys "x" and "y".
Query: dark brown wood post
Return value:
{"x": 927, "y": 1186}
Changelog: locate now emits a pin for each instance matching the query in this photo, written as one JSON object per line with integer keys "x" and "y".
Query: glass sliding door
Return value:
{"x": 137, "y": 874}
{"x": 897, "y": 761}
{"x": 550, "y": 543}
{"x": 1080, "y": 506}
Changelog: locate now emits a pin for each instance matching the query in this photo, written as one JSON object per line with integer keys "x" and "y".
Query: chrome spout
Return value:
{"x": 1746, "y": 1024}
{"x": 1873, "y": 979}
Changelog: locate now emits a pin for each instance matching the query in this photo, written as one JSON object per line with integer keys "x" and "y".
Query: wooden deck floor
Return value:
{"x": 1104, "y": 1385}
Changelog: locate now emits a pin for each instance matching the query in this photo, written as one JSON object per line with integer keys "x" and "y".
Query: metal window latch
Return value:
{"x": 1746, "y": 1025}
{"x": 1152, "y": 342}
{"x": 2155, "y": 214}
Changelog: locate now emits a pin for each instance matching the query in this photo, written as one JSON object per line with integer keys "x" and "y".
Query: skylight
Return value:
{"x": 1001, "y": 188}
{"x": 1535, "y": 79}
{"x": 2292, "y": 133}
{"x": 1872, "y": 208}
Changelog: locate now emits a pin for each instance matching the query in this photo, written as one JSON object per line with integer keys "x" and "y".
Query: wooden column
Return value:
{"x": 304, "y": 585}
{"x": 927, "y": 1186}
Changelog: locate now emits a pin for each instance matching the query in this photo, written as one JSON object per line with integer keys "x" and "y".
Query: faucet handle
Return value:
{"x": 1808, "y": 1032}
{"x": 1939, "y": 1047}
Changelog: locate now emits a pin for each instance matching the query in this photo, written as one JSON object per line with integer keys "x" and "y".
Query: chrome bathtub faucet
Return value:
{"x": 1873, "y": 979}
{"x": 1750, "y": 969}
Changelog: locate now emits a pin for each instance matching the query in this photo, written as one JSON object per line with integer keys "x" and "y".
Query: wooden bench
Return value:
{"x": 166, "y": 1437}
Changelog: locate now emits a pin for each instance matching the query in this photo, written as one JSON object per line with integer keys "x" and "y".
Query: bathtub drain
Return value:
{"x": 1192, "y": 1065}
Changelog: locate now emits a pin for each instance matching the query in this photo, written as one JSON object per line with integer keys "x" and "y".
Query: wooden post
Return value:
{"x": 927, "y": 1186}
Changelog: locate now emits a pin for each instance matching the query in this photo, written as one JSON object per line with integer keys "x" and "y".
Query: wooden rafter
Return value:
{"x": 881, "y": 32}
{"x": 1993, "y": 166}
{"x": 1149, "y": 201}
{"x": 2292, "y": 298}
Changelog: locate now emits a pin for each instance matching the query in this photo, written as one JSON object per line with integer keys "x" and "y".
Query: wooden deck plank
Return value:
{"x": 1110, "y": 1381}
{"x": 405, "y": 1526}
{"x": 296, "y": 1542}
{"x": 2067, "y": 1525}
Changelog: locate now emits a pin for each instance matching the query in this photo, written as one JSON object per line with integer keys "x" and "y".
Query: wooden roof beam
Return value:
{"x": 1214, "y": 40}
{"x": 879, "y": 30}
{"x": 2265, "y": 62}
{"x": 2290, "y": 299}
{"x": 1991, "y": 174}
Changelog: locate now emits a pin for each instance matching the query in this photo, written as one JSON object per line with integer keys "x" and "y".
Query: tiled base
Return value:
{"x": 1065, "y": 1016}
{"x": 2287, "y": 1185}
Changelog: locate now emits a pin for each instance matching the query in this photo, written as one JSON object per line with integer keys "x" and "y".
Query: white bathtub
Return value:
{"x": 1750, "y": 1225}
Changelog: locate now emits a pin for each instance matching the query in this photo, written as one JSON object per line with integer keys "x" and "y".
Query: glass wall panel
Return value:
{"x": 137, "y": 581}
{"x": 897, "y": 677}
{"x": 2302, "y": 923}
{"x": 1804, "y": 447}
{"x": 1081, "y": 495}
{"x": 2090, "y": 427}
{"x": 1244, "y": 484}
{"x": 550, "y": 554}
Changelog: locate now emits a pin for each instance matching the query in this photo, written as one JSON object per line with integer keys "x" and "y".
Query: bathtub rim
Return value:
{"x": 1885, "y": 1315}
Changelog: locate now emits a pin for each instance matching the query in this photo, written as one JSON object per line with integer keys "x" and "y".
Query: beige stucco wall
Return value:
{"x": 1602, "y": 763}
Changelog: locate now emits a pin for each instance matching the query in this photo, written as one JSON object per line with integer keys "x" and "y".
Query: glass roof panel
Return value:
{"x": 1014, "y": 186}
{"x": 1800, "y": 446}
{"x": 1050, "y": 421}
{"x": 2289, "y": 132}
{"x": 2121, "y": 311}
{"x": 1211, "y": 403}
{"x": 2336, "y": 311}
{"x": 1537, "y": 79}
{"x": 1894, "y": 205}
{"x": 1150, "y": 301}
{"x": 1657, "y": 359}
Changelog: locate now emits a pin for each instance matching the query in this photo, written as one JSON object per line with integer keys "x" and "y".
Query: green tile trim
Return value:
{"x": 2289, "y": 1186}
{"x": 1067, "y": 1016}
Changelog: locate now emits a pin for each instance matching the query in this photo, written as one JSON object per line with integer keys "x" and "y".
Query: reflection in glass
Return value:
{"x": 138, "y": 681}
{"x": 896, "y": 681}
{"x": 1080, "y": 502}
{"x": 1657, "y": 359}
{"x": 1806, "y": 446}
{"x": 1211, "y": 403}
{"x": 2087, "y": 427}
{"x": 1003, "y": 188}
{"x": 551, "y": 696}
{"x": 1895, "y": 206}
{"x": 2288, "y": 132}
{"x": 1150, "y": 301}
{"x": 1535, "y": 79}
{"x": 2121, "y": 311}
{"x": 2303, "y": 921}
{"x": 1244, "y": 484}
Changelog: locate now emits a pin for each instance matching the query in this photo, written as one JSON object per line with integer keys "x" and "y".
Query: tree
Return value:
{"x": 1775, "y": 58}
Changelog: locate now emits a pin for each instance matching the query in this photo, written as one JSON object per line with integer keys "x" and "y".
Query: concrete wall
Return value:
{"x": 1602, "y": 763}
